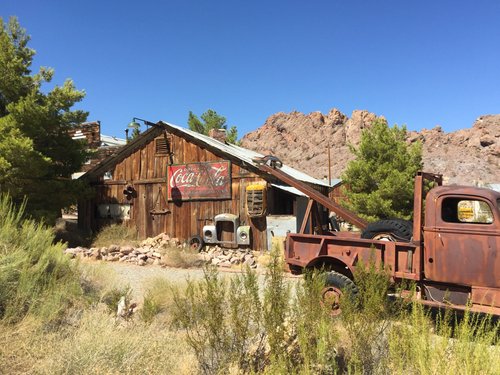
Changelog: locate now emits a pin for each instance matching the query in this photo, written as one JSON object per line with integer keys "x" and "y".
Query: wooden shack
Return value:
{"x": 171, "y": 179}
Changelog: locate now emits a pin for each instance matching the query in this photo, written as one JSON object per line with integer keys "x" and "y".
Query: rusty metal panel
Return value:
{"x": 458, "y": 252}
{"x": 485, "y": 296}
{"x": 306, "y": 249}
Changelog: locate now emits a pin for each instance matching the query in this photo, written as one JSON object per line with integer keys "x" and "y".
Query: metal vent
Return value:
{"x": 163, "y": 145}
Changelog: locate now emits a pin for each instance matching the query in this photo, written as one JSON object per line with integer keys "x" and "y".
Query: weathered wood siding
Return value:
{"x": 145, "y": 171}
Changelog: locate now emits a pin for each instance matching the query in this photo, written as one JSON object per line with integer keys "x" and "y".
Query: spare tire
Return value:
{"x": 389, "y": 230}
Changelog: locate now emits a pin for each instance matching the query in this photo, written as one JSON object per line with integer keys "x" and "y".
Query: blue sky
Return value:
{"x": 420, "y": 63}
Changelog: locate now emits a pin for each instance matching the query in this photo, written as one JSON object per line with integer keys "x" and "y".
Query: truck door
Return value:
{"x": 464, "y": 246}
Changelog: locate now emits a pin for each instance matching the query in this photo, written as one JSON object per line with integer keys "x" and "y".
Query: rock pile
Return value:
{"x": 149, "y": 251}
{"x": 227, "y": 258}
{"x": 155, "y": 251}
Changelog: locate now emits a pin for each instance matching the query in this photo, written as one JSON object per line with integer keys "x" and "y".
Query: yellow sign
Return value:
{"x": 465, "y": 213}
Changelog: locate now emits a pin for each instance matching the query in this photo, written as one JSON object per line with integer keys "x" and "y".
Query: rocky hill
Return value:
{"x": 468, "y": 156}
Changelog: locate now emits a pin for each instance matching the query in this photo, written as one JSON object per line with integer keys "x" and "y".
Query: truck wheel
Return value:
{"x": 195, "y": 243}
{"x": 389, "y": 230}
{"x": 336, "y": 285}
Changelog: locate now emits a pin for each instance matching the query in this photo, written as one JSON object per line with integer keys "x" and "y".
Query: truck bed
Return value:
{"x": 401, "y": 259}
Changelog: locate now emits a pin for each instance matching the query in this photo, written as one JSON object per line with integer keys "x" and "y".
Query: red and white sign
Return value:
{"x": 208, "y": 180}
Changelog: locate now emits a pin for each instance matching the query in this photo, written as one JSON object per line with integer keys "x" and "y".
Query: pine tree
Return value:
{"x": 37, "y": 155}
{"x": 211, "y": 120}
{"x": 380, "y": 180}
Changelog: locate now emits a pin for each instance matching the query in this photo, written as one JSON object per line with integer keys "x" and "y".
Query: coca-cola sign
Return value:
{"x": 208, "y": 180}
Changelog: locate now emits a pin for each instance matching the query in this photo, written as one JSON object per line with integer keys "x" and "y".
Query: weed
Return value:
{"x": 96, "y": 345}
{"x": 425, "y": 344}
{"x": 116, "y": 234}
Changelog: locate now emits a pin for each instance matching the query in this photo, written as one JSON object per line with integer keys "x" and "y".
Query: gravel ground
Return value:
{"x": 139, "y": 278}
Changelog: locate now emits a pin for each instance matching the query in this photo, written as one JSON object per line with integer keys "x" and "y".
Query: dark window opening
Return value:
{"x": 459, "y": 210}
{"x": 282, "y": 203}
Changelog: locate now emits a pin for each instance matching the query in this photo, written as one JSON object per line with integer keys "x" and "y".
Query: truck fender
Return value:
{"x": 336, "y": 264}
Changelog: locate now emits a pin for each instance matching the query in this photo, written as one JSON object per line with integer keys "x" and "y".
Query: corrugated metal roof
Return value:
{"x": 245, "y": 154}
{"x": 495, "y": 187}
{"x": 290, "y": 189}
{"x": 108, "y": 140}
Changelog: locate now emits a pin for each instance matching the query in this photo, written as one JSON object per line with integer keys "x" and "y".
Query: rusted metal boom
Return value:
{"x": 325, "y": 201}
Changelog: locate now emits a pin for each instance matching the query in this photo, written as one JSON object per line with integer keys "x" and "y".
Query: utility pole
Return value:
{"x": 329, "y": 166}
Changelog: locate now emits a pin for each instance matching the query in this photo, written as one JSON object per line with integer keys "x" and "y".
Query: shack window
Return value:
{"x": 282, "y": 203}
{"x": 457, "y": 210}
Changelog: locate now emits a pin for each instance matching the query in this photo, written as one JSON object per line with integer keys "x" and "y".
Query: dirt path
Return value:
{"x": 140, "y": 278}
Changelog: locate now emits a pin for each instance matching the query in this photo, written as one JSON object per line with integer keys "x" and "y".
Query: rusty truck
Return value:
{"x": 451, "y": 251}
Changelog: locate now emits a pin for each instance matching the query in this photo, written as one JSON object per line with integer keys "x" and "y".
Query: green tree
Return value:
{"x": 37, "y": 155}
{"x": 211, "y": 120}
{"x": 380, "y": 179}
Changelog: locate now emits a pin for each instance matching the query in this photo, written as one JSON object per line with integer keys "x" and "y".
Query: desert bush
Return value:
{"x": 181, "y": 258}
{"x": 276, "y": 308}
{"x": 317, "y": 335}
{"x": 221, "y": 320}
{"x": 150, "y": 308}
{"x": 423, "y": 343}
{"x": 366, "y": 319}
{"x": 35, "y": 276}
{"x": 115, "y": 234}
{"x": 236, "y": 325}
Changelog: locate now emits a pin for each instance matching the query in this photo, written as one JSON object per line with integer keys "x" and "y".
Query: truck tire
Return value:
{"x": 389, "y": 230}
{"x": 195, "y": 243}
{"x": 336, "y": 285}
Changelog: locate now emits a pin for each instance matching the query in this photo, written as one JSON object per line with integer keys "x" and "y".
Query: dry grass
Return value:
{"x": 181, "y": 258}
{"x": 96, "y": 345}
{"x": 116, "y": 234}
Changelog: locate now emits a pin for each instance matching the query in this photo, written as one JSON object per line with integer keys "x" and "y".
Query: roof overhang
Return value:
{"x": 289, "y": 189}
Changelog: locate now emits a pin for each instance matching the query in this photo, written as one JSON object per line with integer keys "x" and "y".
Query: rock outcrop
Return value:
{"x": 467, "y": 156}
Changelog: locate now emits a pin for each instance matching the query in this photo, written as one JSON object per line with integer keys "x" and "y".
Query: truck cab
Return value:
{"x": 462, "y": 244}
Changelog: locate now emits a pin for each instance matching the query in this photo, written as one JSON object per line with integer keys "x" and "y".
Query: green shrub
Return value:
{"x": 276, "y": 314}
{"x": 366, "y": 319}
{"x": 317, "y": 335}
{"x": 35, "y": 276}
{"x": 220, "y": 324}
{"x": 425, "y": 344}
{"x": 150, "y": 308}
